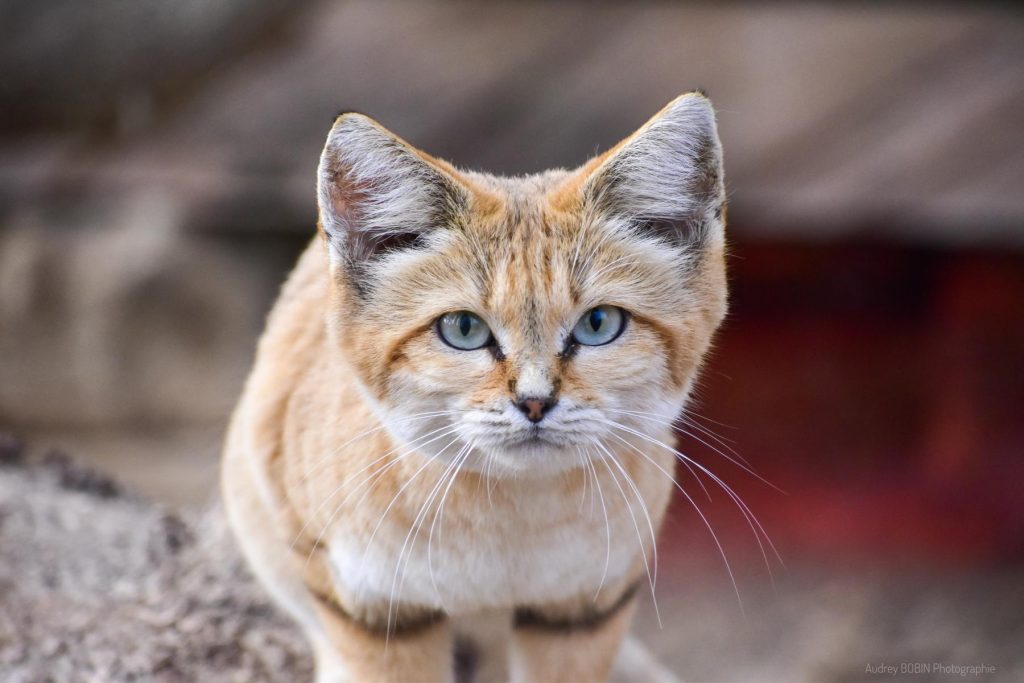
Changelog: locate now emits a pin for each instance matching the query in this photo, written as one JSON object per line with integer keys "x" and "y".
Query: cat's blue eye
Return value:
{"x": 463, "y": 330}
{"x": 599, "y": 325}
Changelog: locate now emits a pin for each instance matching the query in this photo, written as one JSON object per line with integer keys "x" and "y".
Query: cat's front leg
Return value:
{"x": 572, "y": 642}
{"x": 635, "y": 664}
{"x": 408, "y": 646}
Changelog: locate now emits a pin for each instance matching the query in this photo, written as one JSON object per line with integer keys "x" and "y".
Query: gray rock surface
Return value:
{"x": 97, "y": 585}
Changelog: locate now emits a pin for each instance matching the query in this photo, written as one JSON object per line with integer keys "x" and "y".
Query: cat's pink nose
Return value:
{"x": 535, "y": 408}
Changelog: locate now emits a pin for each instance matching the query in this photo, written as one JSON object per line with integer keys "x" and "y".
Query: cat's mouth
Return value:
{"x": 537, "y": 436}
{"x": 533, "y": 436}
{"x": 514, "y": 437}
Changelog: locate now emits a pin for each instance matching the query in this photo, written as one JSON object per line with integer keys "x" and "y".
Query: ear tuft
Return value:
{"x": 376, "y": 193}
{"x": 343, "y": 112}
{"x": 667, "y": 178}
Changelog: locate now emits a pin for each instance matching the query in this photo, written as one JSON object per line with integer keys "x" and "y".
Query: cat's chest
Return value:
{"x": 492, "y": 555}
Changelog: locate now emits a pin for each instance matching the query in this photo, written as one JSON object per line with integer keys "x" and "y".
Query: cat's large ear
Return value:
{"x": 666, "y": 179}
{"x": 377, "y": 194}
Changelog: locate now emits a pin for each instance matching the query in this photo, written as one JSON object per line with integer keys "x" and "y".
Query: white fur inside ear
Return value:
{"x": 669, "y": 170}
{"x": 372, "y": 186}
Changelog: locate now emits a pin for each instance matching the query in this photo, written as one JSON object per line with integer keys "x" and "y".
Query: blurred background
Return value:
{"x": 156, "y": 184}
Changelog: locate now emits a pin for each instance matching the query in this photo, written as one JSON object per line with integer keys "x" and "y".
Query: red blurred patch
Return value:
{"x": 882, "y": 388}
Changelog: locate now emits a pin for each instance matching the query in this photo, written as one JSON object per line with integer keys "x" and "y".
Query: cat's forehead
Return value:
{"x": 532, "y": 265}
{"x": 516, "y": 216}
{"x": 531, "y": 187}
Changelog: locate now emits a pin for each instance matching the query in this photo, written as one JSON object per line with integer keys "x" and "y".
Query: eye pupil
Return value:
{"x": 599, "y": 326}
{"x": 463, "y": 330}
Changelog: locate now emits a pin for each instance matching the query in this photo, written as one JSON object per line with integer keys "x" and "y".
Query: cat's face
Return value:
{"x": 518, "y": 325}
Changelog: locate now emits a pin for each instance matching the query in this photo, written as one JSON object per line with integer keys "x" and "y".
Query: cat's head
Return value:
{"x": 514, "y": 320}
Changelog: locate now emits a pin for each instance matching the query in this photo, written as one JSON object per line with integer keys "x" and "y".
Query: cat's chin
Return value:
{"x": 527, "y": 457}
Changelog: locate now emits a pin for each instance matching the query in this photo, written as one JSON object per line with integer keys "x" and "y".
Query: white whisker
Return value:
{"x": 440, "y": 514}
{"x": 586, "y": 476}
{"x": 315, "y": 467}
{"x": 412, "y": 446}
{"x": 373, "y": 535}
{"x": 703, "y": 517}
{"x": 675, "y": 425}
{"x": 607, "y": 527}
{"x": 413, "y": 529}
{"x": 755, "y": 525}
{"x": 636, "y": 526}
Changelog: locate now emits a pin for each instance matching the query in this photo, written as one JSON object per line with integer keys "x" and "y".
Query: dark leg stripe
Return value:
{"x": 402, "y": 626}
{"x": 588, "y": 620}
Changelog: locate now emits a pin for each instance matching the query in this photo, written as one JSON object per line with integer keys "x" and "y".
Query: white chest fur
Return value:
{"x": 536, "y": 546}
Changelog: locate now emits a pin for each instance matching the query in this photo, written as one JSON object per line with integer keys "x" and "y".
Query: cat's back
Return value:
{"x": 291, "y": 347}
{"x": 296, "y": 322}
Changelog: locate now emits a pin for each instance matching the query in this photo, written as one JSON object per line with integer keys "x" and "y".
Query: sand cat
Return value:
{"x": 449, "y": 461}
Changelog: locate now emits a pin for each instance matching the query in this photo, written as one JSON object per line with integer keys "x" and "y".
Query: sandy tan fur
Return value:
{"x": 331, "y": 484}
